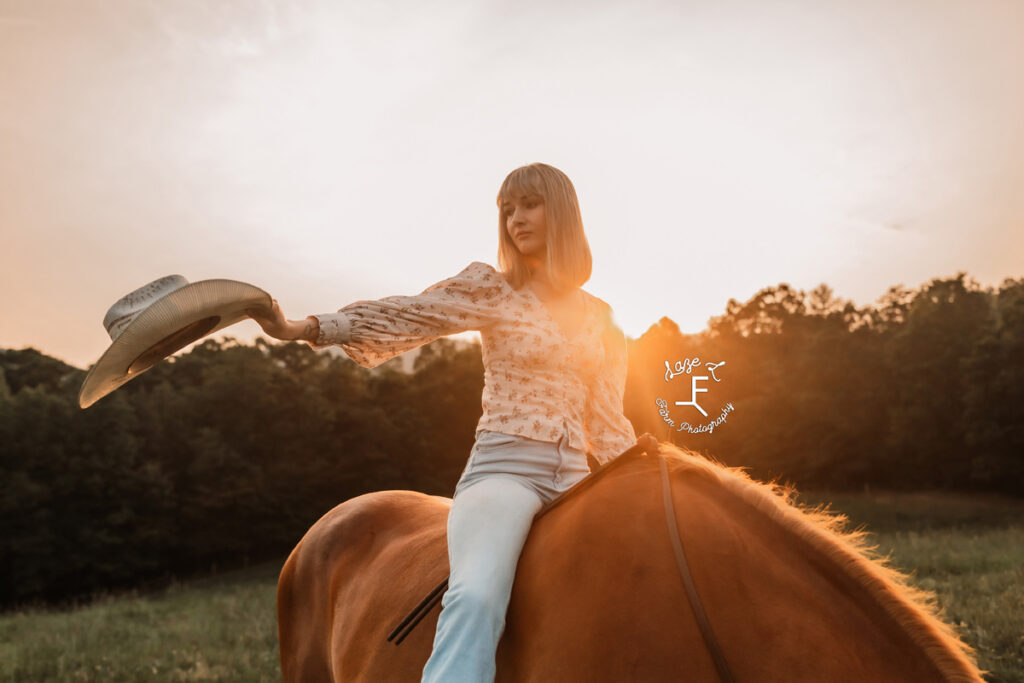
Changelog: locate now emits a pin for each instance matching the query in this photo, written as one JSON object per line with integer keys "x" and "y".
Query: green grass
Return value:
{"x": 214, "y": 629}
{"x": 969, "y": 550}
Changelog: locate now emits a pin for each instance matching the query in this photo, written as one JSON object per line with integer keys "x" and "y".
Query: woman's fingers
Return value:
{"x": 258, "y": 314}
{"x": 271, "y": 320}
{"x": 648, "y": 443}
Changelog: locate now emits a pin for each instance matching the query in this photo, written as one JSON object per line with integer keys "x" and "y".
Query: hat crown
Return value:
{"x": 130, "y": 305}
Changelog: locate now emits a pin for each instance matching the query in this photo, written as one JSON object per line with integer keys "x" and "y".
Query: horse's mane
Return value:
{"x": 826, "y": 531}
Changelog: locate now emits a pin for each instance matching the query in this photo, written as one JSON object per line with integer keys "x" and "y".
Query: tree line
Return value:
{"x": 228, "y": 453}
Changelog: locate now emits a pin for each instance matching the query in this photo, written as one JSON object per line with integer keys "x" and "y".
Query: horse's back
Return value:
{"x": 593, "y": 599}
{"x": 361, "y": 565}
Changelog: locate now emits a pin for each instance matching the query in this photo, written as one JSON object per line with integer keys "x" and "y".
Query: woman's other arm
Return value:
{"x": 609, "y": 432}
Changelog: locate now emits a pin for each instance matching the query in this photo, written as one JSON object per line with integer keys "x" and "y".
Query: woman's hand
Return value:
{"x": 649, "y": 443}
{"x": 274, "y": 323}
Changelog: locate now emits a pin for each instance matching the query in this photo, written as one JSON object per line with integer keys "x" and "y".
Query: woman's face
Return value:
{"x": 526, "y": 224}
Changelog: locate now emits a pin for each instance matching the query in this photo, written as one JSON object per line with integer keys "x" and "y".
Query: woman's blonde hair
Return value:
{"x": 568, "y": 252}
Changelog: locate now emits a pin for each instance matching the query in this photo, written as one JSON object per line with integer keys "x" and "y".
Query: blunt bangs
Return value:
{"x": 522, "y": 182}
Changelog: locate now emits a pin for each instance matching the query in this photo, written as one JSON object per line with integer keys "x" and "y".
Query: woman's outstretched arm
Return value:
{"x": 372, "y": 332}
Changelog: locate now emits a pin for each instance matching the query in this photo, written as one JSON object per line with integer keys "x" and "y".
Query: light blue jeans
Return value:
{"x": 506, "y": 482}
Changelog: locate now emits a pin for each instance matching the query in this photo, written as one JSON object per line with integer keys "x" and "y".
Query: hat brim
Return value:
{"x": 168, "y": 325}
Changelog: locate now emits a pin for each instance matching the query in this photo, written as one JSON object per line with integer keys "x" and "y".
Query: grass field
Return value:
{"x": 221, "y": 628}
{"x": 968, "y": 549}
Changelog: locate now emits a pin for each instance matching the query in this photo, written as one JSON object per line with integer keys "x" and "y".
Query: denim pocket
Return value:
{"x": 489, "y": 443}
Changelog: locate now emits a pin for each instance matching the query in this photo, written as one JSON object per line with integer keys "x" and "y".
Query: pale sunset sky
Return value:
{"x": 331, "y": 151}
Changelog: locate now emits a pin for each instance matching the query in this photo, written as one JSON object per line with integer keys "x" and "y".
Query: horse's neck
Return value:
{"x": 791, "y": 602}
{"x": 602, "y": 564}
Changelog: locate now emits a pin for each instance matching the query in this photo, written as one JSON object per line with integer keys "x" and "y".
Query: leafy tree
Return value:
{"x": 994, "y": 410}
{"x": 928, "y": 382}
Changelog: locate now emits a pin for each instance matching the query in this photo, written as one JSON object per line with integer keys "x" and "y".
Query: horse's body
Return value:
{"x": 598, "y": 595}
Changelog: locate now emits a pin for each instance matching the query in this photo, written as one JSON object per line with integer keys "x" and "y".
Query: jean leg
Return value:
{"x": 487, "y": 526}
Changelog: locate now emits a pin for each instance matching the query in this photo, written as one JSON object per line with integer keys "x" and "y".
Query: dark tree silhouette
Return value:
{"x": 227, "y": 453}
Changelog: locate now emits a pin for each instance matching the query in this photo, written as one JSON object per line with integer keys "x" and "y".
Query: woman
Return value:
{"x": 554, "y": 374}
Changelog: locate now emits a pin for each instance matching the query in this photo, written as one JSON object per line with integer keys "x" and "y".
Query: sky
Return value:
{"x": 330, "y": 152}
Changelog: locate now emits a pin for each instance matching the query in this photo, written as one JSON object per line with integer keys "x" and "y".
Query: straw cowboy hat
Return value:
{"x": 160, "y": 318}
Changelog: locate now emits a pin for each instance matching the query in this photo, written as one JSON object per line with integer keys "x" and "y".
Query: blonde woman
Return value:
{"x": 554, "y": 374}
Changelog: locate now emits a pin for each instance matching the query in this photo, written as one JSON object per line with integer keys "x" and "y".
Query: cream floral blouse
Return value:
{"x": 538, "y": 382}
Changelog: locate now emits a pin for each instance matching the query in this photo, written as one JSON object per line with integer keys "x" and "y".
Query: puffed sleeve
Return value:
{"x": 372, "y": 332}
{"x": 609, "y": 432}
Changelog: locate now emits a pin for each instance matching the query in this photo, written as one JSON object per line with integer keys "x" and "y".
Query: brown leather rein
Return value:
{"x": 648, "y": 445}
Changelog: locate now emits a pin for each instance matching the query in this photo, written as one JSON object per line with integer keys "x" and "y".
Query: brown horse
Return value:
{"x": 790, "y": 595}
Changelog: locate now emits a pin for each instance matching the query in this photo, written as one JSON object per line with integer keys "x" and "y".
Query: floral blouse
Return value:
{"x": 538, "y": 383}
